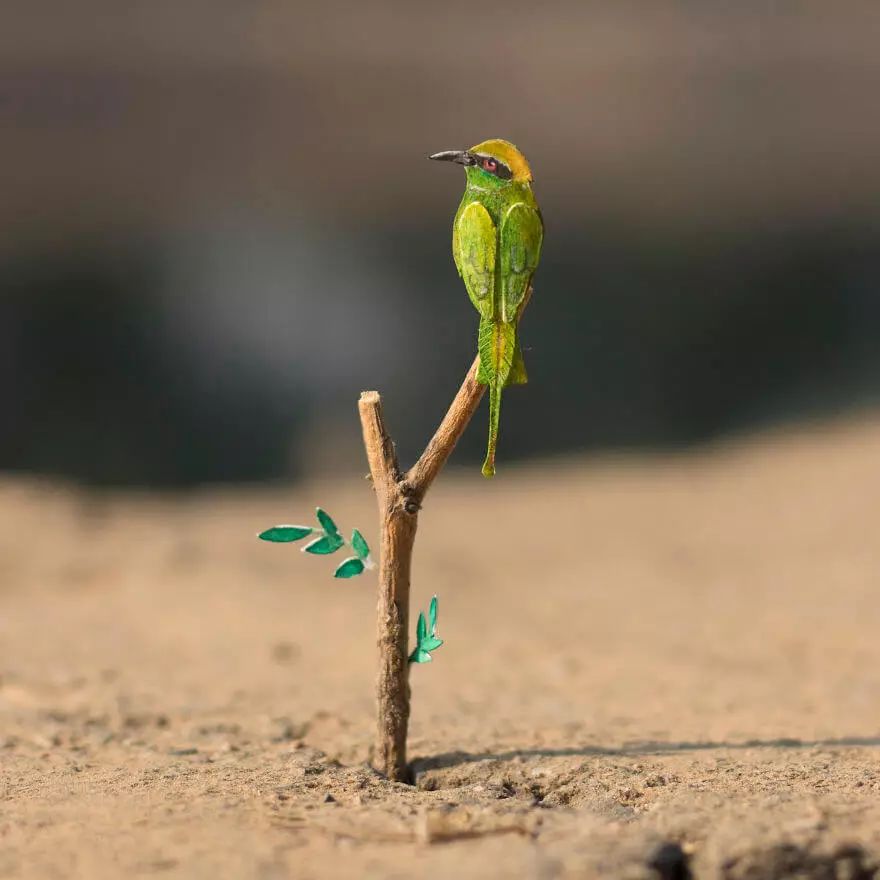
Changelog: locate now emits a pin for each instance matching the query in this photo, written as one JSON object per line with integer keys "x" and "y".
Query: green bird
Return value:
{"x": 496, "y": 243}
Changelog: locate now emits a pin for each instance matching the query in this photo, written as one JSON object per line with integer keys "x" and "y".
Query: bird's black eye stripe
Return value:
{"x": 491, "y": 165}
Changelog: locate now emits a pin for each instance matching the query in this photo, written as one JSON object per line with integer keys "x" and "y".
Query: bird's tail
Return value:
{"x": 494, "y": 413}
{"x": 497, "y": 345}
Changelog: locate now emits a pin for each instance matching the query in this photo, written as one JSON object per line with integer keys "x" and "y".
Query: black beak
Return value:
{"x": 463, "y": 157}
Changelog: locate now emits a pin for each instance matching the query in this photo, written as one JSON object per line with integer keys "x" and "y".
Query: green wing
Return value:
{"x": 522, "y": 233}
{"x": 473, "y": 246}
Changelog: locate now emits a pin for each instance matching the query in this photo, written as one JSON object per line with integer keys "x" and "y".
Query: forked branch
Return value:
{"x": 399, "y": 498}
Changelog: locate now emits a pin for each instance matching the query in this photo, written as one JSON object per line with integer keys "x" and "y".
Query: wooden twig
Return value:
{"x": 399, "y": 498}
{"x": 381, "y": 455}
{"x": 462, "y": 408}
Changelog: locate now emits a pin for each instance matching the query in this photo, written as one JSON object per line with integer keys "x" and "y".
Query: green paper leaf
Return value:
{"x": 431, "y": 643}
{"x": 327, "y": 523}
{"x": 349, "y": 568}
{"x": 324, "y": 545}
{"x": 425, "y": 641}
{"x": 359, "y": 545}
{"x": 285, "y": 534}
{"x": 432, "y": 615}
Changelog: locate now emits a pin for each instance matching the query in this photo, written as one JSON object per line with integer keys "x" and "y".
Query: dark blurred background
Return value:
{"x": 218, "y": 225}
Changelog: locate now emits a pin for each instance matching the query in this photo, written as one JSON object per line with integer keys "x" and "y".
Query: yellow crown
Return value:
{"x": 506, "y": 152}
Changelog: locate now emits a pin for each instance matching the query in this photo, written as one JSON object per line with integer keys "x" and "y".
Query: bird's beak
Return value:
{"x": 463, "y": 157}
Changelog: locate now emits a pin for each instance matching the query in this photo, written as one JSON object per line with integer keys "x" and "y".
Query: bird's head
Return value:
{"x": 491, "y": 163}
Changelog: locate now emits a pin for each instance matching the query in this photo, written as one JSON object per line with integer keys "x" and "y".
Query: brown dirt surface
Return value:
{"x": 655, "y": 667}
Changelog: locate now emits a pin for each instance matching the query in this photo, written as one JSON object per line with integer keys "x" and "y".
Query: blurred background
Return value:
{"x": 218, "y": 226}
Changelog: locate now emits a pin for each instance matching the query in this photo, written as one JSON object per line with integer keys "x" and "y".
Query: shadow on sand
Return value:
{"x": 453, "y": 759}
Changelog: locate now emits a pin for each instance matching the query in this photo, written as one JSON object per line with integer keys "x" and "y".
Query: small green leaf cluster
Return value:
{"x": 426, "y": 636}
{"x": 326, "y": 539}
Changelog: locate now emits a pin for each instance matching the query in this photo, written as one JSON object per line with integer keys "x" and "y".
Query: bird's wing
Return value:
{"x": 474, "y": 248}
{"x": 521, "y": 236}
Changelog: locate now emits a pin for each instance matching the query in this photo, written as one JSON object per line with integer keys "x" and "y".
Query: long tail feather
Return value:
{"x": 494, "y": 415}
{"x": 497, "y": 345}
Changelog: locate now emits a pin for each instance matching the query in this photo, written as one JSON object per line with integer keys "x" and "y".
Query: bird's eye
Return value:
{"x": 490, "y": 165}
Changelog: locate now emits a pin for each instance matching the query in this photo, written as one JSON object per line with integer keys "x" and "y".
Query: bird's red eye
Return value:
{"x": 490, "y": 165}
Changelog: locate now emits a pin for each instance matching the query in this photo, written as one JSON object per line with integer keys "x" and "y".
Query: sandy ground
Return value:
{"x": 654, "y": 667}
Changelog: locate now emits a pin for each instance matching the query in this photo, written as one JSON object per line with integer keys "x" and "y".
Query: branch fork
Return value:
{"x": 400, "y": 497}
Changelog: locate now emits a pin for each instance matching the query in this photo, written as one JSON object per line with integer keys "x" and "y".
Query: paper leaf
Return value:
{"x": 359, "y": 545}
{"x": 327, "y": 523}
{"x": 420, "y": 656}
{"x": 324, "y": 545}
{"x": 431, "y": 643}
{"x": 349, "y": 568}
{"x": 425, "y": 641}
{"x": 432, "y": 616}
{"x": 285, "y": 534}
